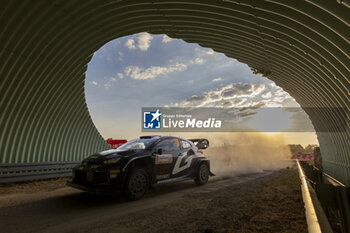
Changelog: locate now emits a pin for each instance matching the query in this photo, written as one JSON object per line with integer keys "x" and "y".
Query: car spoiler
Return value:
{"x": 200, "y": 143}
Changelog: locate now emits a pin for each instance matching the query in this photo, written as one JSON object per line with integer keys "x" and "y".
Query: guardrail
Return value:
{"x": 331, "y": 196}
{"x": 19, "y": 172}
{"x": 310, "y": 211}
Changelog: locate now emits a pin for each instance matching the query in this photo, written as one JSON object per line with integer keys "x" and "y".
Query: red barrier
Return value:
{"x": 115, "y": 143}
{"x": 303, "y": 157}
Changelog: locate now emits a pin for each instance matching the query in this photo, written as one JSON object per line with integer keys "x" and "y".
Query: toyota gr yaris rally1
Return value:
{"x": 138, "y": 164}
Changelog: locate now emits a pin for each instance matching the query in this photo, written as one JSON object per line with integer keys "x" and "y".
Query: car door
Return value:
{"x": 184, "y": 159}
{"x": 166, "y": 153}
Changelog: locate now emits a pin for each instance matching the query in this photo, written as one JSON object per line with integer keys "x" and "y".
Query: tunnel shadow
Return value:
{"x": 70, "y": 202}
{"x": 86, "y": 200}
{"x": 80, "y": 201}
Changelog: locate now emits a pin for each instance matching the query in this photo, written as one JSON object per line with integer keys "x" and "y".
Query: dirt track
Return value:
{"x": 265, "y": 202}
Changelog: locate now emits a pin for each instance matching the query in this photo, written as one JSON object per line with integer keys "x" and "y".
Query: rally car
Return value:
{"x": 140, "y": 163}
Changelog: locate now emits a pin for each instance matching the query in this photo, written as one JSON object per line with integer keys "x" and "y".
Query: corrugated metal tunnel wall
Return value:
{"x": 45, "y": 47}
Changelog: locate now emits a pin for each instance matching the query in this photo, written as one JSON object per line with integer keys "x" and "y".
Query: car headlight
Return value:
{"x": 111, "y": 161}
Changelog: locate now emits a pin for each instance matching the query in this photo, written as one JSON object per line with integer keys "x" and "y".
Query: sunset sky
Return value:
{"x": 145, "y": 70}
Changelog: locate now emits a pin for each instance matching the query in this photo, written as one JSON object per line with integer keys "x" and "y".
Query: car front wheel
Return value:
{"x": 202, "y": 174}
{"x": 136, "y": 185}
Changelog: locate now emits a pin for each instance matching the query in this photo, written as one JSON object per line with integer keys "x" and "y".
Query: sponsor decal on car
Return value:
{"x": 114, "y": 171}
{"x": 178, "y": 168}
{"x": 164, "y": 159}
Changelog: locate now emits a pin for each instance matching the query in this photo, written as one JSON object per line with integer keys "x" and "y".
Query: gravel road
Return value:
{"x": 262, "y": 202}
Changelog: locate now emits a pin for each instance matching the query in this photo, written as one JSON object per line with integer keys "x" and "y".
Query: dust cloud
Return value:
{"x": 241, "y": 153}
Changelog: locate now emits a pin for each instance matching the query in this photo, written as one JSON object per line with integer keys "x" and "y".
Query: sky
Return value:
{"x": 145, "y": 70}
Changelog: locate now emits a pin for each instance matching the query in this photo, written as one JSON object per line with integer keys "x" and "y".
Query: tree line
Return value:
{"x": 299, "y": 149}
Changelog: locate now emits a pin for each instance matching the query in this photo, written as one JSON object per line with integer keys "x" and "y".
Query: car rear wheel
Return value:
{"x": 202, "y": 174}
{"x": 136, "y": 185}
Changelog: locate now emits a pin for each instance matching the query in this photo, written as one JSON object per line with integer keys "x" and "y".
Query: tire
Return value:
{"x": 202, "y": 174}
{"x": 136, "y": 185}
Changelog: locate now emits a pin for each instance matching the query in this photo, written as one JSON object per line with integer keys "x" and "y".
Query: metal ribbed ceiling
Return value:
{"x": 45, "y": 47}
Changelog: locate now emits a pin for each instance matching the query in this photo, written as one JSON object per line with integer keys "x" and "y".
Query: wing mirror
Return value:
{"x": 159, "y": 151}
{"x": 202, "y": 144}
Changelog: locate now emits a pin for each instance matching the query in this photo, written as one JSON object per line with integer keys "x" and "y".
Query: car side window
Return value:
{"x": 185, "y": 144}
{"x": 169, "y": 145}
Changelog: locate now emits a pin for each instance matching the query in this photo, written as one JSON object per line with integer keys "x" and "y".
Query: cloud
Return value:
{"x": 93, "y": 83}
{"x": 217, "y": 79}
{"x": 197, "y": 61}
{"x": 152, "y": 72}
{"x": 210, "y": 52}
{"x": 225, "y": 104}
{"x": 204, "y": 51}
{"x": 232, "y": 103}
{"x": 214, "y": 96}
{"x": 109, "y": 82}
{"x": 107, "y": 85}
{"x": 235, "y": 95}
{"x": 267, "y": 95}
{"x": 120, "y": 75}
{"x": 166, "y": 39}
{"x": 194, "y": 101}
{"x": 144, "y": 40}
{"x": 130, "y": 43}
{"x": 242, "y": 90}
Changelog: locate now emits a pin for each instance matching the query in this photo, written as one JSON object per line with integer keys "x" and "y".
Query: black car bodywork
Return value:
{"x": 141, "y": 163}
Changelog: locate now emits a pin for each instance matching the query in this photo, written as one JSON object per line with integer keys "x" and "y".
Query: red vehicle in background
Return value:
{"x": 303, "y": 157}
{"x": 115, "y": 143}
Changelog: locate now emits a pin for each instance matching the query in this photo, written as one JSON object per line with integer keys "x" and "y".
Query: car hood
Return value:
{"x": 111, "y": 154}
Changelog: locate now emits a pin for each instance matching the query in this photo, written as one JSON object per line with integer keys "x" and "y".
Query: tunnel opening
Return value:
{"x": 145, "y": 69}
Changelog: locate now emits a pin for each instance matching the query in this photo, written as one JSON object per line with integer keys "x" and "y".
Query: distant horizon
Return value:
{"x": 187, "y": 135}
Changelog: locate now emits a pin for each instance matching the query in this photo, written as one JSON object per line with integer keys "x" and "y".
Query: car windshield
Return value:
{"x": 137, "y": 144}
